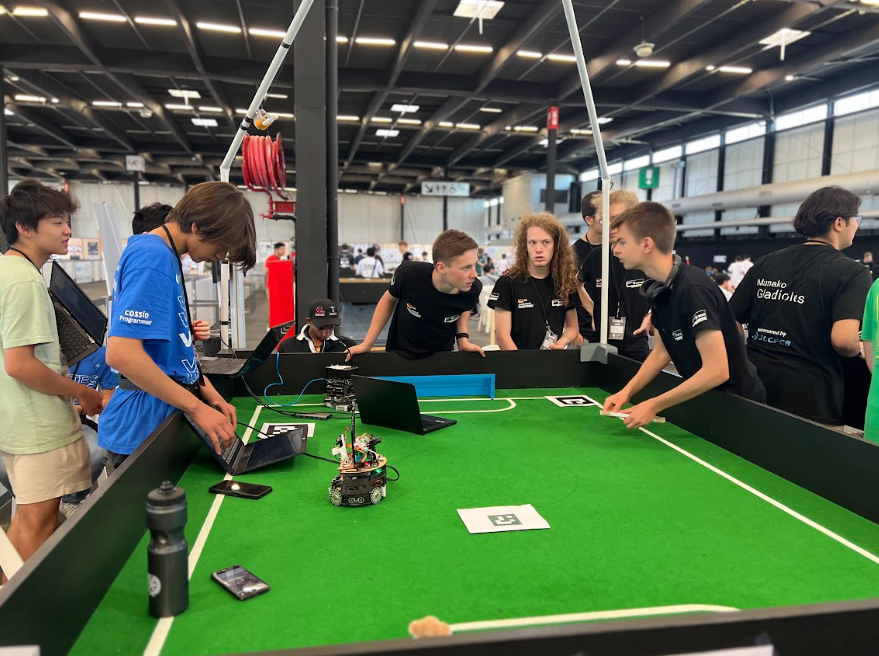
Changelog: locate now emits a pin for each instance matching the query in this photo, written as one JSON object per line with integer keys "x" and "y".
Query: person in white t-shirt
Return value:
{"x": 736, "y": 272}
{"x": 369, "y": 267}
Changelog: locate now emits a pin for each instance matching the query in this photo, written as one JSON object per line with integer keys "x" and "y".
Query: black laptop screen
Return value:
{"x": 77, "y": 303}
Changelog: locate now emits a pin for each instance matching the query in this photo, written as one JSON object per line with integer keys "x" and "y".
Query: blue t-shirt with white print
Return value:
{"x": 92, "y": 371}
{"x": 148, "y": 304}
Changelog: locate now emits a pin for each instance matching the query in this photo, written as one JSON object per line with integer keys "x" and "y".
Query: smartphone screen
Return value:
{"x": 240, "y": 582}
{"x": 240, "y": 489}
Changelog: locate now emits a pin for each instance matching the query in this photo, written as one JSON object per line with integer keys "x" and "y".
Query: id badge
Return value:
{"x": 617, "y": 328}
{"x": 548, "y": 340}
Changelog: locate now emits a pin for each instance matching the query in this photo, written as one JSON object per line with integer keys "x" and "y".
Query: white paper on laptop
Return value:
{"x": 498, "y": 519}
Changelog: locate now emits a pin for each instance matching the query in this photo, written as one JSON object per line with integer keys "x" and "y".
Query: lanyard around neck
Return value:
{"x": 173, "y": 247}
{"x": 25, "y": 256}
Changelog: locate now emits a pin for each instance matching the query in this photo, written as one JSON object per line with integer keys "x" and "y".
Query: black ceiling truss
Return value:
{"x": 470, "y": 104}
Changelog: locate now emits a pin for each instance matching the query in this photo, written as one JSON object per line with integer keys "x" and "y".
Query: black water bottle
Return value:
{"x": 168, "y": 554}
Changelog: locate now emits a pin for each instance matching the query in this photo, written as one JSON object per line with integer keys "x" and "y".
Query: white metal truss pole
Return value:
{"x": 602, "y": 164}
{"x": 233, "y": 313}
{"x": 267, "y": 80}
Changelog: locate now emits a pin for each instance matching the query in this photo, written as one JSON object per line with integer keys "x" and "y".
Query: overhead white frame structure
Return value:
{"x": 232, "y": 288}
{"x": 602, "y": 161}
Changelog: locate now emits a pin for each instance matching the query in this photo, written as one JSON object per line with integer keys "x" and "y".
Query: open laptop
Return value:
{"x": 240, "y": 458}
{"x": 393, "y": 404}
{"x": 235, "y": 367}
{"x": 81, "y": 325}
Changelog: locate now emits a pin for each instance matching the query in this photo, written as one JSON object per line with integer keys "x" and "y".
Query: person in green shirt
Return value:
{"x": 41, "y": 440}
{"x": 869, "y": 336}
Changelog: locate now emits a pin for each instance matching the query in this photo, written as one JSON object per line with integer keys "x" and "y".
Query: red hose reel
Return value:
{"x": 265, "y": 170}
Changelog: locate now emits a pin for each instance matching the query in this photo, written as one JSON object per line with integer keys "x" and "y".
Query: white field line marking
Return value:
{"x": 589, "y": 617}
{"x": 471, "y": 398}
{"x": 793, "y": 513}
{"x": 163, "y": 626}
{"x": 512, "y": 404}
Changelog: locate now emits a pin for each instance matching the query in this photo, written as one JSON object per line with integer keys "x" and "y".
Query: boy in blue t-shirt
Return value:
{"x": 150, "y": 340}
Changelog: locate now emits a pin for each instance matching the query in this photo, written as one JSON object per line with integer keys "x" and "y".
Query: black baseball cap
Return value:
{"x": 324, "y": 312}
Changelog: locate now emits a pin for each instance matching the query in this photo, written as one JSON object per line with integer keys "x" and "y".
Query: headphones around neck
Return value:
{"x": 656, "y": 293}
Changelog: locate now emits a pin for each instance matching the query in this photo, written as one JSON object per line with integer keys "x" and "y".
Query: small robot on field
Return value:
{"x": 362, "y": 478}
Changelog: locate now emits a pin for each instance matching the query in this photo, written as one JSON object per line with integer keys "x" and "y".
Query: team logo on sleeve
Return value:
{"x": 678, "y": 335}
{"x": 557, "y": 302}
{"x": 452, "y": 319}
{"x": 413, "y": 311}
{"x": 699, "y": 317}
{"x": 634, "y": 284}
{"x": 493, "y": 296}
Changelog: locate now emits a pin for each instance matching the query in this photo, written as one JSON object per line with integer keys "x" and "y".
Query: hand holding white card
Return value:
{"x": 623, "y": 415}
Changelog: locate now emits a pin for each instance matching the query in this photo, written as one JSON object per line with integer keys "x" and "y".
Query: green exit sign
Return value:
{"x": 648, "y": 177}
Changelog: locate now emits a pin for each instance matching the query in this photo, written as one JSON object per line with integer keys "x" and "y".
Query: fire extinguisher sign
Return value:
{"x": 552, "y": 118}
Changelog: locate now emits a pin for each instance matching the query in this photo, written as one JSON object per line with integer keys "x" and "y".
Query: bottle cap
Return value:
{"x": 166, "y": 495}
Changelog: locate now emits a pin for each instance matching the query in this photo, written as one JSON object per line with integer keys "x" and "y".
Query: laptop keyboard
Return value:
{"x": 72, "y": 341}
{"x": 229, "y": 451}
{"x": 222, "y": 366}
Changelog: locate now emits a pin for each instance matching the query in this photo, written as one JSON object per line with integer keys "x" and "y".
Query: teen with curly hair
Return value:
{"x": 536, "y": 299}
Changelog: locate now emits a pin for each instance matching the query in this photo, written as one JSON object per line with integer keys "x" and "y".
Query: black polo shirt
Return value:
{"x": 582, "y": 248}
{"x": 532, "y": 302}
{"x": 789, "y": 300}
{"x": 425, "y": 319}
{"x": 696, "y": 304}
{"x": 624, "y": 299}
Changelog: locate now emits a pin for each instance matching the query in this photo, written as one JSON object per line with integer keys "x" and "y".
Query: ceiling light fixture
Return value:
{"x": 783, "y": 38}
{"x": 219, "y": 27}
{"x": 465, "y": 47}
{"x": 562, "y": 58}
{"x": 348, "y": 119}
{"x": 404, "y": 108}
{"x": 529, "y": 54}
{"x": 180, "y": 108}
{"x": 408, "y": 121}
{"x": 281, "y": 96}
{"x": 446, "y": 124}
{"x": 741, "y": 70}
{"x": 24, "y": 97}
{"x": 258, "y": 31}
{"x": 34, "y": 12}
{"x": 134, "y": 105}
{"x": 151, "y": 20}
{"x": 431, "y": 45}
{"x": 484, "y": 9}
{"x": 790, "y": 78}
{"x": 581, "y": 132}
{"x": 468, "y": 126}
{"x": 381, "y": 119}
{"x": 491, "y": 110}
{"x": 205, "y": 122}
{"x": 341, "y": 39}
{"x": 208, "y": 108}
{"x": 374, "y": 41}
{"x": 184, "y": 93}
{"x": 94, "y": 15}
{"x": 381, "y": 132}
{"x": 106, "y": 103}
{"x": 525, "y": 128}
